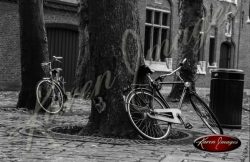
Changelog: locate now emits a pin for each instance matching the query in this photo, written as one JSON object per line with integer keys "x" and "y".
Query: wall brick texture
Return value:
{"x": 10, "y": 77}
{"x": 10, "y": 72}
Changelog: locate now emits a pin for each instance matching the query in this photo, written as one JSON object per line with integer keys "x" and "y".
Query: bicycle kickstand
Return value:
{"x": 186, "y": 125}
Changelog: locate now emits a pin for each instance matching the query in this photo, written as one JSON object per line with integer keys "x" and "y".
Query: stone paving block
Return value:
{"x": 109, "y": 146}
{"x": 126, "y": 160}
{"x": 45, "y": 149}
{"x": 247, "y": 159}
{"x": 72, "y": 144}
{"x": 191, "y": 159}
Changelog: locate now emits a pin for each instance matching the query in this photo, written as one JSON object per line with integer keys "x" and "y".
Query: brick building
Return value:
{"x": 225, "y": 35}
{"x": 62, "y": 30}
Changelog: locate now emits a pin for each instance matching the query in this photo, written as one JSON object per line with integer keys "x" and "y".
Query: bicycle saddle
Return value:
{"x": 144, "y": 69}
{"x": 56, "y": 70}
{"x": 57, "y": 57}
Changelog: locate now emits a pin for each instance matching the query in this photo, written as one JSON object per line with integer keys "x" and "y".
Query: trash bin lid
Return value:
{"x": 227, "y": 70}
{"x": 229, "y": 74}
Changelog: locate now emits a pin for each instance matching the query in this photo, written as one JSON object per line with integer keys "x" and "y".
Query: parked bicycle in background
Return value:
{"x": 50, "y": 91}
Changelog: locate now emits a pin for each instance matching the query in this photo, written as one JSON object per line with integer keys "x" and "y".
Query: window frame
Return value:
{"x": 157, "y": 63}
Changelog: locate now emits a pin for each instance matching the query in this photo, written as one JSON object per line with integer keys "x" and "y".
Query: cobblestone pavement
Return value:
{"x": 17, "y": 147}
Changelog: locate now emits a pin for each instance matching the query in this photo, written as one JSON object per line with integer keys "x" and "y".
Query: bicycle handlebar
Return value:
{"x": 161, "y": 77}
{"x": 183, "y": 61}
{"x": 58, "y": 58}
{"x": 55, "y": 58}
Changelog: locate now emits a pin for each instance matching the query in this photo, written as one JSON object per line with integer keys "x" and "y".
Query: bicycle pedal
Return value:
{"x": 188, "y": 126}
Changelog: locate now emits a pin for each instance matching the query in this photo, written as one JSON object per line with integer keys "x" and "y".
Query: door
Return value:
{"x": 226, "y": 55}
{"x": 64, "y": 42}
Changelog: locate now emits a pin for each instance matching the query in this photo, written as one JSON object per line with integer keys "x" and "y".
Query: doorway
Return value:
{"x": 64, "y": 42}
{"x": 227, "y": 51}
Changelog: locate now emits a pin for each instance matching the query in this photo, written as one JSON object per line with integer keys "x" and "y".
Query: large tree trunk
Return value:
{"x": 109, "y": 62}
{"x": 84, "y": 56}
{"x": 34, "y": 49}
{"x": 84, "y": 70}
{"x": 189, "y": 42}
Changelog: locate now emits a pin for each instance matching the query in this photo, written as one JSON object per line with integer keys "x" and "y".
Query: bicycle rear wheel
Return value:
{"x": 140, "y": 103}
{"x": 206, "y": 115}
{"x": 49, "y": 96}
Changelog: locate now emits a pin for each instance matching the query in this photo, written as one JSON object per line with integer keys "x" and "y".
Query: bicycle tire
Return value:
{"x": 48, "y": 93}
{"x": 206, "y": 115}
{"x": 147, "y": 127}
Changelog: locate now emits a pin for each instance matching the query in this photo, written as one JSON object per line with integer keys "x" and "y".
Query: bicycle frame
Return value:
{"x": 161, "y": 114}
{"x": 176, "y": 112}
{"x": 56, "y": 80}
{"x": 145, "y": 101}
{"x": 155, "y": 89}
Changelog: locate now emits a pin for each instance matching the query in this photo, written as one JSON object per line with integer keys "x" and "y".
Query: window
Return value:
{"x": 212, "y": 48}
{"x": 227, "y": 53}
{"x": 201, "y": 45}
{"x": 242, "y": 19}
{"x": 201, "y": 67}
{"x": 158, "y": 1}
{"x": 212, "y": 51}
{"x": 248, "y": 19}
{"x": 230, "y": 1}
{"x": 157, "y": 35}
{"x": 211, "y": 11}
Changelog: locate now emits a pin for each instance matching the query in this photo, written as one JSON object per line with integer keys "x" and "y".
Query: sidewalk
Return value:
{"x": 15, "y": 146}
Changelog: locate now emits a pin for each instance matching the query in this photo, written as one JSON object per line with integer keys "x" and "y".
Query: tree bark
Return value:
{"x": 82, "y": 70}
{"x": 34, "y": 49}
{"x": 188, "y": 43}
{"x": 110, "y": 61}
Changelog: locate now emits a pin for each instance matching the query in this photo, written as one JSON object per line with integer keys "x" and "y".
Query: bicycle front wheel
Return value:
{"x": 49, "y": 96}
{"x": 206, "y": 115}
{"x": 140, "y": 103}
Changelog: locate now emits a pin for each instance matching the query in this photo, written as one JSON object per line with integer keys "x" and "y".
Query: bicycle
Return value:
{"x": 151, "y": 115}
{"x": 50, "y": 91}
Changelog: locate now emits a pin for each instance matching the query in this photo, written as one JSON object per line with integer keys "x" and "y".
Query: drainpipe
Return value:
{"x": 239, "y": 36}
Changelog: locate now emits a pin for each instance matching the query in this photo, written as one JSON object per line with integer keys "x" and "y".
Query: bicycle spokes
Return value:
{"x": 140, "y": 105}
{"x": 206, "y": 114}
{"x": 49, "y": 96}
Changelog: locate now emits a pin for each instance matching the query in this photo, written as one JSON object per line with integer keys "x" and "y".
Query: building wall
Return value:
{"x": 10, "y": 72}
{"x": 9, "y": 47}
{"x": 244, "y": 52}
{"x": 204, "y": 80}
{"x": 240, "y": 37}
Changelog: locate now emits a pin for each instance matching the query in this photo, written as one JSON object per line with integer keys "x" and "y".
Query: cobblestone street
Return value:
{"x": 15, "y": 146}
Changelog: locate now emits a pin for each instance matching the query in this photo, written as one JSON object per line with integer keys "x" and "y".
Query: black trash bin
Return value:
{"x": 226, "y": 95}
